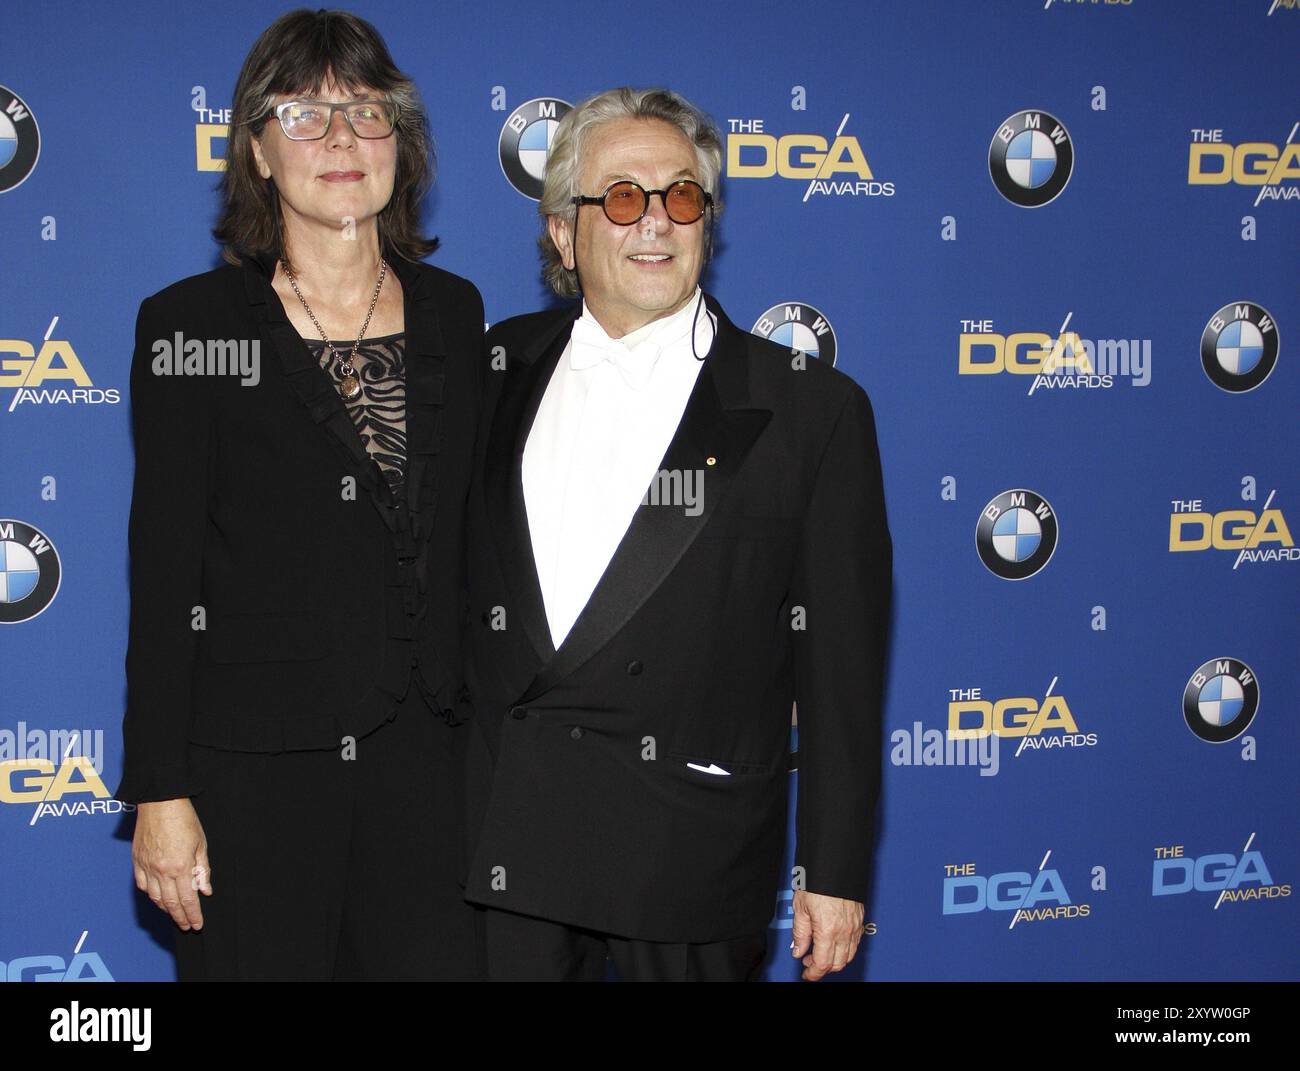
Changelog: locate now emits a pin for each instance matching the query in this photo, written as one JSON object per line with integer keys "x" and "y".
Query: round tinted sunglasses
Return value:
{"x": 625, "y": 202}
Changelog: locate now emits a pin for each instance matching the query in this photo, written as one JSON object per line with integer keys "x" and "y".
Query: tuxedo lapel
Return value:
{"x": 717, "y": 430}
{"x": 527, "y": 375}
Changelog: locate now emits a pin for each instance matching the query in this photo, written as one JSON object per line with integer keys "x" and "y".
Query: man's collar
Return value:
{"x": 727, "y": 356}
{"x": 636, "y": 355}
{"x": 662, "y": 331}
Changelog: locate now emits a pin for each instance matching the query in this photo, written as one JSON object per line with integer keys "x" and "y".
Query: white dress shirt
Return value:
{"x": 604, "y": 424}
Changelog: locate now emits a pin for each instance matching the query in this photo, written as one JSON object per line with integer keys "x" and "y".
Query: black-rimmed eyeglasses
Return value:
{"x": 308, "y": 120}
{"x": 625, "y": 202}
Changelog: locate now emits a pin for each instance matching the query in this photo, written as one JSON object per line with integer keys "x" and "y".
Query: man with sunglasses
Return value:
{"x": 677, "y": 531}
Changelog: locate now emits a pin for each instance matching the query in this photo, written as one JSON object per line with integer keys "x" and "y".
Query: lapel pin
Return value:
{"x": 710, "y": 460}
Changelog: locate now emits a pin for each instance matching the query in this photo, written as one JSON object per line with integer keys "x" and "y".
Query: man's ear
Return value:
{"x": 562, "y": 235}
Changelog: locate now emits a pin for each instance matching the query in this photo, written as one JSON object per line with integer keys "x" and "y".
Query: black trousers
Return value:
{"x": 329, "y": 869}
{"x": 521, "y": 948}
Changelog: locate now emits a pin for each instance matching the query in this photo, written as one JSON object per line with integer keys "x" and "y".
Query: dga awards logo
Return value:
{"x": 832, "y": 168}
{"x": 1038, "y": 897}
{"x": 798, "y": 327}
{"x": 38, "y": 376}
{"x": 83, "y": 967}
{"x": 1256, "y": 538}
{"x": 57, "y": 772}
{"x": 20, "y": 140}
{"x": 1031, "y": 158}
{"x": 1238, "y": 879}
{"x": 1221, "y": 700}
{"x": 1066, "y": 362}
{"x": 29, "y": 571}
{"x": 1239, "y": 347}
{"x": 525, "y": 143}
{"x": 1016, "y": 534}
{"x": 1273, "y": 167}
{"x": 1042, "y": 724}
{"x": 210, "y": 125}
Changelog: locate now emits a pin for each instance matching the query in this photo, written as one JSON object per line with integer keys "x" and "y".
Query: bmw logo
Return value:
{"x": 29, "y": 571}
{"x": 798, "y": 327}
{"x": 525, "y": 143}
{"x": 1220, "y": 700}
{"x": 1030, "y": 158}
{"x": 1239, "y": 347}
{"x": 20, "y": 140}
{"x": 1016, "y": 534}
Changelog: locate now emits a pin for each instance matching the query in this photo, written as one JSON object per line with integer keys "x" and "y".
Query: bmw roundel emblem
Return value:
{"x": 1031, "y": 158}
{"x": 20, "y": 140}
{"x": 1239, "y": 346}
{"x": 1220, "y": 700}
{"x": 800, "y": 327}
{"x": 1016, "y": 534}
{"x": 29, "y": 571}
{"x": 525, "y": 143}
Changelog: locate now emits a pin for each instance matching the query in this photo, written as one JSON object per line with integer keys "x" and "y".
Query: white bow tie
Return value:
{"x": 590, "y": 346}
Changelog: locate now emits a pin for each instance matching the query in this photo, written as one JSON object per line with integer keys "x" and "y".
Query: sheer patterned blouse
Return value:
{"x": 379, "y": 411}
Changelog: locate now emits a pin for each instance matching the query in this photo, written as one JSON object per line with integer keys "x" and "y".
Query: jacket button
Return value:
{"x": 575, "y": 733}
{"x": 633, "y": 668}
{"x": 519, "y": 712}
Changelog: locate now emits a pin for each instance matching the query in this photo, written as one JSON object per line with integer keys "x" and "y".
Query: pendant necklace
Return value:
{"x": 349, "y": 385}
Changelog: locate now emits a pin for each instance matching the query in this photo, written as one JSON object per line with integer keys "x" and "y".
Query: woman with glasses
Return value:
{"x": 294, "y": 724}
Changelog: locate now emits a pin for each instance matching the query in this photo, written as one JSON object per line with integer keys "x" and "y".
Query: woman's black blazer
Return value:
{"x": 282, "y": 597}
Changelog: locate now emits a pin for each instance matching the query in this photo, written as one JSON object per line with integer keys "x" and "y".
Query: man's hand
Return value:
{"x": 832, "y": 926}
{"x": 170, "y": 855}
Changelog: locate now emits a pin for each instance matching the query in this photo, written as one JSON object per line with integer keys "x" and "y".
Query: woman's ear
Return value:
{"x": 259, "y": 157}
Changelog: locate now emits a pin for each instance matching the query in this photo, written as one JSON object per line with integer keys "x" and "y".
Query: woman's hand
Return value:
{"x": 170, "y": 856}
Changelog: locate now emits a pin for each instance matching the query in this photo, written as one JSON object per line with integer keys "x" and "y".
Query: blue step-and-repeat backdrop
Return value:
{"x": 1055, "y": 240}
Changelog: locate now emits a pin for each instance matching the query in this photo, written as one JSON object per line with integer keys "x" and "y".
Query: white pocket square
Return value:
{"x": 712, "y": 768}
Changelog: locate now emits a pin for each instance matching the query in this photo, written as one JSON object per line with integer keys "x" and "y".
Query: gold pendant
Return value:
{"x": 350, "y": 386}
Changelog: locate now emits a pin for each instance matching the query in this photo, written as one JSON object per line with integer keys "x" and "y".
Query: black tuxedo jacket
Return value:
{"x": 319, "y": 607}
{"x": 635, "y": 781}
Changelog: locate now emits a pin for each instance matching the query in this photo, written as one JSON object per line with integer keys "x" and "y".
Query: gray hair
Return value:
{"x": 563, "y": 162}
